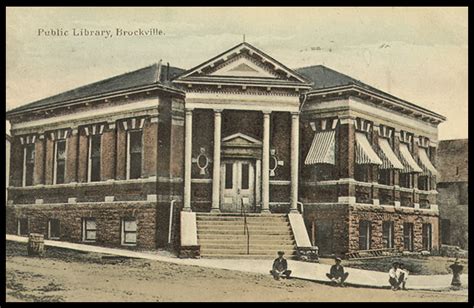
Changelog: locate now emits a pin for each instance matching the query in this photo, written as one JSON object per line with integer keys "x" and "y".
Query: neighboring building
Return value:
{"x": 238, "y": 133}
{"x": 7, "y": 165}
{"x": 452, "y": 164}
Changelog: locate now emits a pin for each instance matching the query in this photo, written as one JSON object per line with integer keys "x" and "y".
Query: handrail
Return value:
{"x": 243, "y": 212}
{"x": 301, "y": 206}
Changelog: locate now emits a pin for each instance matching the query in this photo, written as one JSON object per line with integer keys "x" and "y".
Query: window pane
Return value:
{"x": 54, "y": 228}
{"x": 29, "y": 174}
{"x": 135, "y": 165}
{"x": 364, "y": 235}
{"x": 245, "y": 176}
{"x": 30, "y": 153}
{"x": 91, "y": 235}
{"x": 60, "y": 169}
{"x": 135, "y": 142}
{"x": 23, "y": 226}
{"x": 387, "y": 231}
{"x": 408, "y": 236}
{"x": 229, "y": 175}
{"x": 90, "y": 224}
{"x": 95, "y": 169}
{"x": 61, "y": 149}
{"x": 95, "y": 146}
{"x": 130, "y": 225}
{"x": 130, "y": 238}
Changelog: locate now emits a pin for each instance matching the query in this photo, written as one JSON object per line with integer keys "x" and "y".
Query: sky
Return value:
{"x": 417, "y": 54}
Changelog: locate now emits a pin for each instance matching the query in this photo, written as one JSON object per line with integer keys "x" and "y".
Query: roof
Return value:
{"x": 325, "y": 78}
{"x": 138, "y": 78}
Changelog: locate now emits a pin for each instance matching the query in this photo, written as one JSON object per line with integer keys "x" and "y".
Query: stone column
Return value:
{"x": 346, "y": 159}
{"x": 39, "y": 160}
{"x": 266, "y": 163}
{"x": 295, "y": 123}
{"x": 216, "y": 172}
{"x": 188, "y": 149}
{"x": 49, "y": 161}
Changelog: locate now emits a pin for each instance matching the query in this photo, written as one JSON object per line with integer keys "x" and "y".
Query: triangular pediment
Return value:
{"x": 241, "y": 62}
{"x": 240, "y": 140}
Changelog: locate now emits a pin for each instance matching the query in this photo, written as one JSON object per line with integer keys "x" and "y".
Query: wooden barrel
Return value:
{"x": 36, "y": 244}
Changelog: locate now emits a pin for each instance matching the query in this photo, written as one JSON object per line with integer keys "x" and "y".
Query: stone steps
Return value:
{"x": 222, "y": 236}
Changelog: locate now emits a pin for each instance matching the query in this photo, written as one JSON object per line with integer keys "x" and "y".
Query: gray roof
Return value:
{"x": 138, "y": 78}
{"x": 325, "y": 78}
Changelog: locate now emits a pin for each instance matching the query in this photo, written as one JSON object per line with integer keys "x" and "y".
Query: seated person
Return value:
{"x": 402, "y": 275}
{"x": 393, "y": 276}
{"x": 337, "y": 274}
{"x": 280, "y": 267}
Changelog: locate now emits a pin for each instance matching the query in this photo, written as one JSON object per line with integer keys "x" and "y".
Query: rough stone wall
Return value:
{"x": 108, "y": 218}
{"x": 452, "y": 154}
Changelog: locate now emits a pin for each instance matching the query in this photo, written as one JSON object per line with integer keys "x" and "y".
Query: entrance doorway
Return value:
{"x": 237, "y": 185}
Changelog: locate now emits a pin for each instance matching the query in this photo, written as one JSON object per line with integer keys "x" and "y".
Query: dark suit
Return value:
{"x": 280, "y": 268}
{"x": 336, "y": 274}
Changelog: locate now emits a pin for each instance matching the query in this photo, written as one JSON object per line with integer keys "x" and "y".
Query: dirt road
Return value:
{"x": 88, "y": 277}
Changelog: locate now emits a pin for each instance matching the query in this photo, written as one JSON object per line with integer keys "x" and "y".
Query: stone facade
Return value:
{"x": 453, "y": 199}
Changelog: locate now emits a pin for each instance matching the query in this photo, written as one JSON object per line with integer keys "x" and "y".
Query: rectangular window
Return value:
{"x": 364, "y": 235}
{"x": 94, "y": 159}
{"x": 387, "y": 234}
{"x": 23, "y": 228}
{"x": 29, "y": 164}
{"x": 60, "y": 161}
{"x": 445, "y": 231}
{"x": 426, "y": 236}
{"x": 245, "y": 176}
{"x": 408, "y": 236}
{"x": 129, "y": 232}
{"x": 89, "y": 229}
{"x": 385, "y": 176}
{"x": 362, "y": 173}
{"x": 229, "y": 176}
{"x": 424, "y": 182}
{"x": 406, "y": 180}
{"x": 135, "y": 154}
{"x": 54, "y": 229}
{"x": 324, "y": 172}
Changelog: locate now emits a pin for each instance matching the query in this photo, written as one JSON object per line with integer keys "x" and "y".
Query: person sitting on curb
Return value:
{"x": 280, "y": 267}
{"x": 457, "y": 269}
{"x": 337, "y": 274}
{"x": 393, "y": 276}
{"x": 402, "y": 273}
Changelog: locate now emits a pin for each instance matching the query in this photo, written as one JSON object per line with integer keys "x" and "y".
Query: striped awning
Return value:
{"x": 322, "y": 148}
{"x": 365, "y": 154}
{"x": 409, "y": 163}
{"x": 426, "y": 165}
{"x": 389, "y": 159}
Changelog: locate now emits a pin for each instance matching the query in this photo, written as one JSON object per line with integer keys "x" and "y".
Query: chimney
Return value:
{"x": 167, "y": 71}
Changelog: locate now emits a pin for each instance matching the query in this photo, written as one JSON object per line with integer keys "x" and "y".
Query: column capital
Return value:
{"x": 188, "y": 110}
{"x": 346, "y": 119}
{"x": 266, "y": 112}
{"x": 295, "y": 113}
{"x": 218, "y": 111}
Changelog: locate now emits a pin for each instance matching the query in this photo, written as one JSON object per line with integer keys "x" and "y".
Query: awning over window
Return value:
{"x": 322, "y": 148}
{"x": 389, "y": 159}
{"x": 426, "y": 164}
{"x": 408, "y": 161}
{"x": 365, "y": 154}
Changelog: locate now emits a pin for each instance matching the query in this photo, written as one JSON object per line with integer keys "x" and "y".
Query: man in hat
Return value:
{"x": 280, "y": 267}
{"x": 393, "y": 275}
{"x": 457, "y": 269}
{"x": 337, "y": 274}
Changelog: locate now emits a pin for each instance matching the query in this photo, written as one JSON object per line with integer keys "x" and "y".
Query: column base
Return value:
{"x": 187, "y": 209}
{"x": 265, "y": 211}
{"x": 216, "y": 211}
{"x": 294, "y": 211}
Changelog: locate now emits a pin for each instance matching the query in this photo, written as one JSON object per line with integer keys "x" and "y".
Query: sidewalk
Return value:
{"x": 302, "y": 270}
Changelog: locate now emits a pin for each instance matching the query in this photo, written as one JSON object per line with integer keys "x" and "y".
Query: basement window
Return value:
{"x": 135, "y": 148}
{"x": 54, "y": 229}
{"x": 129, "y": 231}
{"x": 23, "y": 228}
{"x": 89, "y": 229}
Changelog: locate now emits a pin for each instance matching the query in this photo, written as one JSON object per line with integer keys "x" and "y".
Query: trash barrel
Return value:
{"x": 36, "y": 244}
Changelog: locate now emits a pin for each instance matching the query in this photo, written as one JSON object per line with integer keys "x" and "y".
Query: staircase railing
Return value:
{"x": 243, "y": 212}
